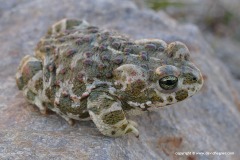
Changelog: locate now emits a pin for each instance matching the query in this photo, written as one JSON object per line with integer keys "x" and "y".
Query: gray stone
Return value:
{"x": 209, "y": 121}
{"x": 227, "y": 50}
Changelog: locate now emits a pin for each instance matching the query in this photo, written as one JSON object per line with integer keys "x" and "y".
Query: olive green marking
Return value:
{"x": 83, "y": 103}
{"x": 129, "y": 130}
{"x": 48, "y": 105}
{"x": 20, "y": 83}
{"x": 39, "y": 84}
{"x": 154, "y": 97}
{"x": 58, "y": 27}
{"x": 95, "y": 110}
{"x": 126, "y": 106}
{"x": 169, "y": 98}
{"x": 84, "y": 115}
{"x": 70, "y": 24}
{"x": 48, "y": 93}
{"x": 30, "y": 95}
{"x": 49, "y": 31}
{"x": 135, "y": 87}
{"x": 153, "y": 76}
{"x": 123, "y": 127}
{"x": 200, "y": 81}
{"x": 118, "y": 74}
{"x": 113, "y": 132}
{"x": 47, "y": 75}
{"x": 107, "y": 103}
{"x": 113, "y": 117}
{"x": 118, "y": 86}
{"x": 181, "y": 95}
{"x": 65, "y": 75}
{"x": 78, "y": 87}
{"x": 172, "y": 49}
{"x": 193, "y": 89}
{"x": 128, "y": 96}
{"x": 65, "y": 106}
{"x": 94, "y": 95}
{"x": 189, "y": 78}
{"x": 30, "y": 70}
{"x": 124, "y": 78}
{"x": 133, "y": 92}
{"x": 137, "y": 48}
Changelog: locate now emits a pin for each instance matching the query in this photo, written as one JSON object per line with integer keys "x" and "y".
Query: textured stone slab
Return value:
{"x": 209, "y": 121}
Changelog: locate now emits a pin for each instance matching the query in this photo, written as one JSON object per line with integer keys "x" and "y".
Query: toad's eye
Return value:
{"x": 168, "y": 82}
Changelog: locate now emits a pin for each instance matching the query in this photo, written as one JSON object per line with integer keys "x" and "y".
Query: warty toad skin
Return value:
{"x": 82, "y": 72}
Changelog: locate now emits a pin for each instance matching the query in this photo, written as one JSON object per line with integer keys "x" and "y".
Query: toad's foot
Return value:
{"x": 106, "y": 112}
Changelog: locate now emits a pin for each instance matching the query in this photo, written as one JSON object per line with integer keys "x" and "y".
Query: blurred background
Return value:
{"x": 207, "y": 122}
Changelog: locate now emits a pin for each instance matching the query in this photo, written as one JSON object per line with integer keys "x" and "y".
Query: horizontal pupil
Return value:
{"x": 170, "y": 82}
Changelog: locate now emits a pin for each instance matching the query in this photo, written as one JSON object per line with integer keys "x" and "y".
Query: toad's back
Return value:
{"x": 73, "y": 55}
{"x": 79, "y": 70}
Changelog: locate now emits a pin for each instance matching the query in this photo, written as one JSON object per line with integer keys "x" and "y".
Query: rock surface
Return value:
{"x": 207, "y": 122}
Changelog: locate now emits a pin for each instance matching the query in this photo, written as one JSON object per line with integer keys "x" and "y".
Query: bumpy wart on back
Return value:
{"x": 82, "y": 72}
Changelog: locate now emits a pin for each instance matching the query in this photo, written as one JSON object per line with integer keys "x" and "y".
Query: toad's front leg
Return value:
{"x": 108, "y": 115}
